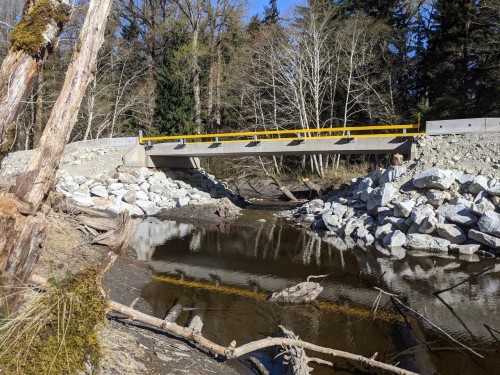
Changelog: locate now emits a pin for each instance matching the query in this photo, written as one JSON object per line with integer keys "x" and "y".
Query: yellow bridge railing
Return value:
{"x": 350, "y": 132}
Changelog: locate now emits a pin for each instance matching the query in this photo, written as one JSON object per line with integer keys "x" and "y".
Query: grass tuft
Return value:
{"x": 56, "y": 331}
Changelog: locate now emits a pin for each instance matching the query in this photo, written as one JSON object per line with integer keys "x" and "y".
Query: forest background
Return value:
{"x": 183, "y": 66}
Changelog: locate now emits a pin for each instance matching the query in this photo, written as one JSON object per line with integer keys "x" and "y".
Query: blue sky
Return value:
{"x": 257, "y": 6}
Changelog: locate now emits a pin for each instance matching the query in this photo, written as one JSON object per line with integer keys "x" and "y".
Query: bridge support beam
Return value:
{"x": 137, "y": 157}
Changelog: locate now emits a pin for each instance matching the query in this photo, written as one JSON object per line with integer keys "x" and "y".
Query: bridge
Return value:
{"x": 183, "y": 151}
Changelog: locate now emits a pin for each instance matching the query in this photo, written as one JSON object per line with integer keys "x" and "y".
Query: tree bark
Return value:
{"x": 37, "y": 180}
{"x": 23, "y": 228}
{"x": 21, "y": 66}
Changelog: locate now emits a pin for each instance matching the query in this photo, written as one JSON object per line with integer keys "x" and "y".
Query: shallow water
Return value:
{"x": 224, "y": 272}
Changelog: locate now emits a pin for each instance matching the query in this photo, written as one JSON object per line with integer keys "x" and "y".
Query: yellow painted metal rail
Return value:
{"x": 351, "y": 132}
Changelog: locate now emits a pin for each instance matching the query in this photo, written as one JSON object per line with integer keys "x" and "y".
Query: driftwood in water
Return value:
{"x": 295, "y": 357}
{"x": 311, "y": 185}
{"x": 232, "y": 351}
{"x": 173, "y": 313}
{"x": 305, "y": 292}
{"x": 283, "y": 189}
{"x": 196, "y": 321}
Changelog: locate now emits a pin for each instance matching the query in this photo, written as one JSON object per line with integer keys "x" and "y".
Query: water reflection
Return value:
{"x": 268, "y": 256}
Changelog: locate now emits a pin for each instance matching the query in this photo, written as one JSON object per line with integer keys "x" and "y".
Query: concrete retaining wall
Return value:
{"x": 461, "y": 126}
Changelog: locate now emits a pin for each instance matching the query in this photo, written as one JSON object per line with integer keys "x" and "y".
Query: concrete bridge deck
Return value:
{"x": 181, "y": 151}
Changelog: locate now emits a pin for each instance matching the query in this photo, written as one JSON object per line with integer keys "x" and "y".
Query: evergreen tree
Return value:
{"x": 271, "y": 13}
{"x": 486, "y": 61}
{"x": 449, "y": 59}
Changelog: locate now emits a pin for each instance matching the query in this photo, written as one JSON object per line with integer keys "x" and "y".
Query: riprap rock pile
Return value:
{"x": 435, "y": 211}
{"x": 142, "y": 192}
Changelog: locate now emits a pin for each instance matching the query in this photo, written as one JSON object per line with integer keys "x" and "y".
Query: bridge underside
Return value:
{"x": 184, "y": 155}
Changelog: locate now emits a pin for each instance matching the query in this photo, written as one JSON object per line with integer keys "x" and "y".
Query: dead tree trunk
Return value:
{"x": 23, "y": 228}
{"x": 32, "y": 40}
{"x": 38, "y": 178}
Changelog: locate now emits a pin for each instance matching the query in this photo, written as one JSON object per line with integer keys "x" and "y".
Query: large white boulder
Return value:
{"x": 434, "y": 178}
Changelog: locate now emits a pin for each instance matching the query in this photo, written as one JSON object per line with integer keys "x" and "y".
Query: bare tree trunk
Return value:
{"x": 23, "y": 227}
{"x": 37, "y": 180}
{"x": 37, "y": 131}
{"x": 196, "y": 82}
{"x": 21, "y": 66}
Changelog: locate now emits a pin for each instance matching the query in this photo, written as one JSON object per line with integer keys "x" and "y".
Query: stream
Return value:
{"x": 224, "y": 273}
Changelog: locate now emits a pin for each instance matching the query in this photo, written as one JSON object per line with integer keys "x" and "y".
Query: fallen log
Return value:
{"x": 231, "y": 351}
{"x": 297, "y": 363}
{"x": 311, "y": 185}
{"x": 304, "y": 292}
{"x": 284, "y": 189}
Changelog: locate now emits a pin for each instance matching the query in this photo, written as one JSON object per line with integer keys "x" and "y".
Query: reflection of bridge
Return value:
{"x": 176, "y": 150}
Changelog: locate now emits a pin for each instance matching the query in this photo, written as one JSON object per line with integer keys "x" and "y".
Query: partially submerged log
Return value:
{"x": 232, "y": 351}
{"x": 296, "y": 358}
{"x": 305, "y": 292}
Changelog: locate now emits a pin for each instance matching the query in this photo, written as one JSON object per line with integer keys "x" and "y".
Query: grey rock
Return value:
{"x": 494, "y": 191}
{"x": 425, "y": 242}
{"x": 331, "y": 221}
{"x": 145, "y": 186}
{"x": 129, "y": 197}
{"x": 127, "y": 178}
{"x": 462, "y": 177}
{"x": 82, "y": 200}
{"x": 398, "y": 222}
{"x": 149, "y": 208}
{"x": 79, "y": 179}
{"x": 434, "y": 178}
{"x": 392, "y": 173}
{"x": 142, "y": 195}
{"x": 365, "y": 194}
{"x": 183, "y": 201}
{"x": 490, "y": 223}
{"x": 381, "y": 196}
{"x": 420, "y": 213}
{"x": 404, "y": 209}
{"x": 69, "y": 185}
{"x": 452, "y": 233}
{"x": 120, "y": 207}
{"x": 375, "y": 176}
{"x": 394, "y": 239}
{"x": 99, "y": 191}
{"x": 484, "y": 238}
{"x": 479, "y": 184}
{"x": 428, "y": 226}
{"x": 458, "y": 214}
{"x": 482, "y": 205}
{"x": 464, "y": 249}
{"x": 182, "y": 185}
{"x": 437, "y": 197}
{"x": 383, "y": 231}
{"x": 115, "y": 186}
{"x": 338, "y": 209}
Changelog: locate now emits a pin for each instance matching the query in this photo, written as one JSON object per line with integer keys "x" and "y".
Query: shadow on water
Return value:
{"x": 225, "y": 272}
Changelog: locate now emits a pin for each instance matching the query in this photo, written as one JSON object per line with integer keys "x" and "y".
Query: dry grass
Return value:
{"x": 56, "y": 331}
